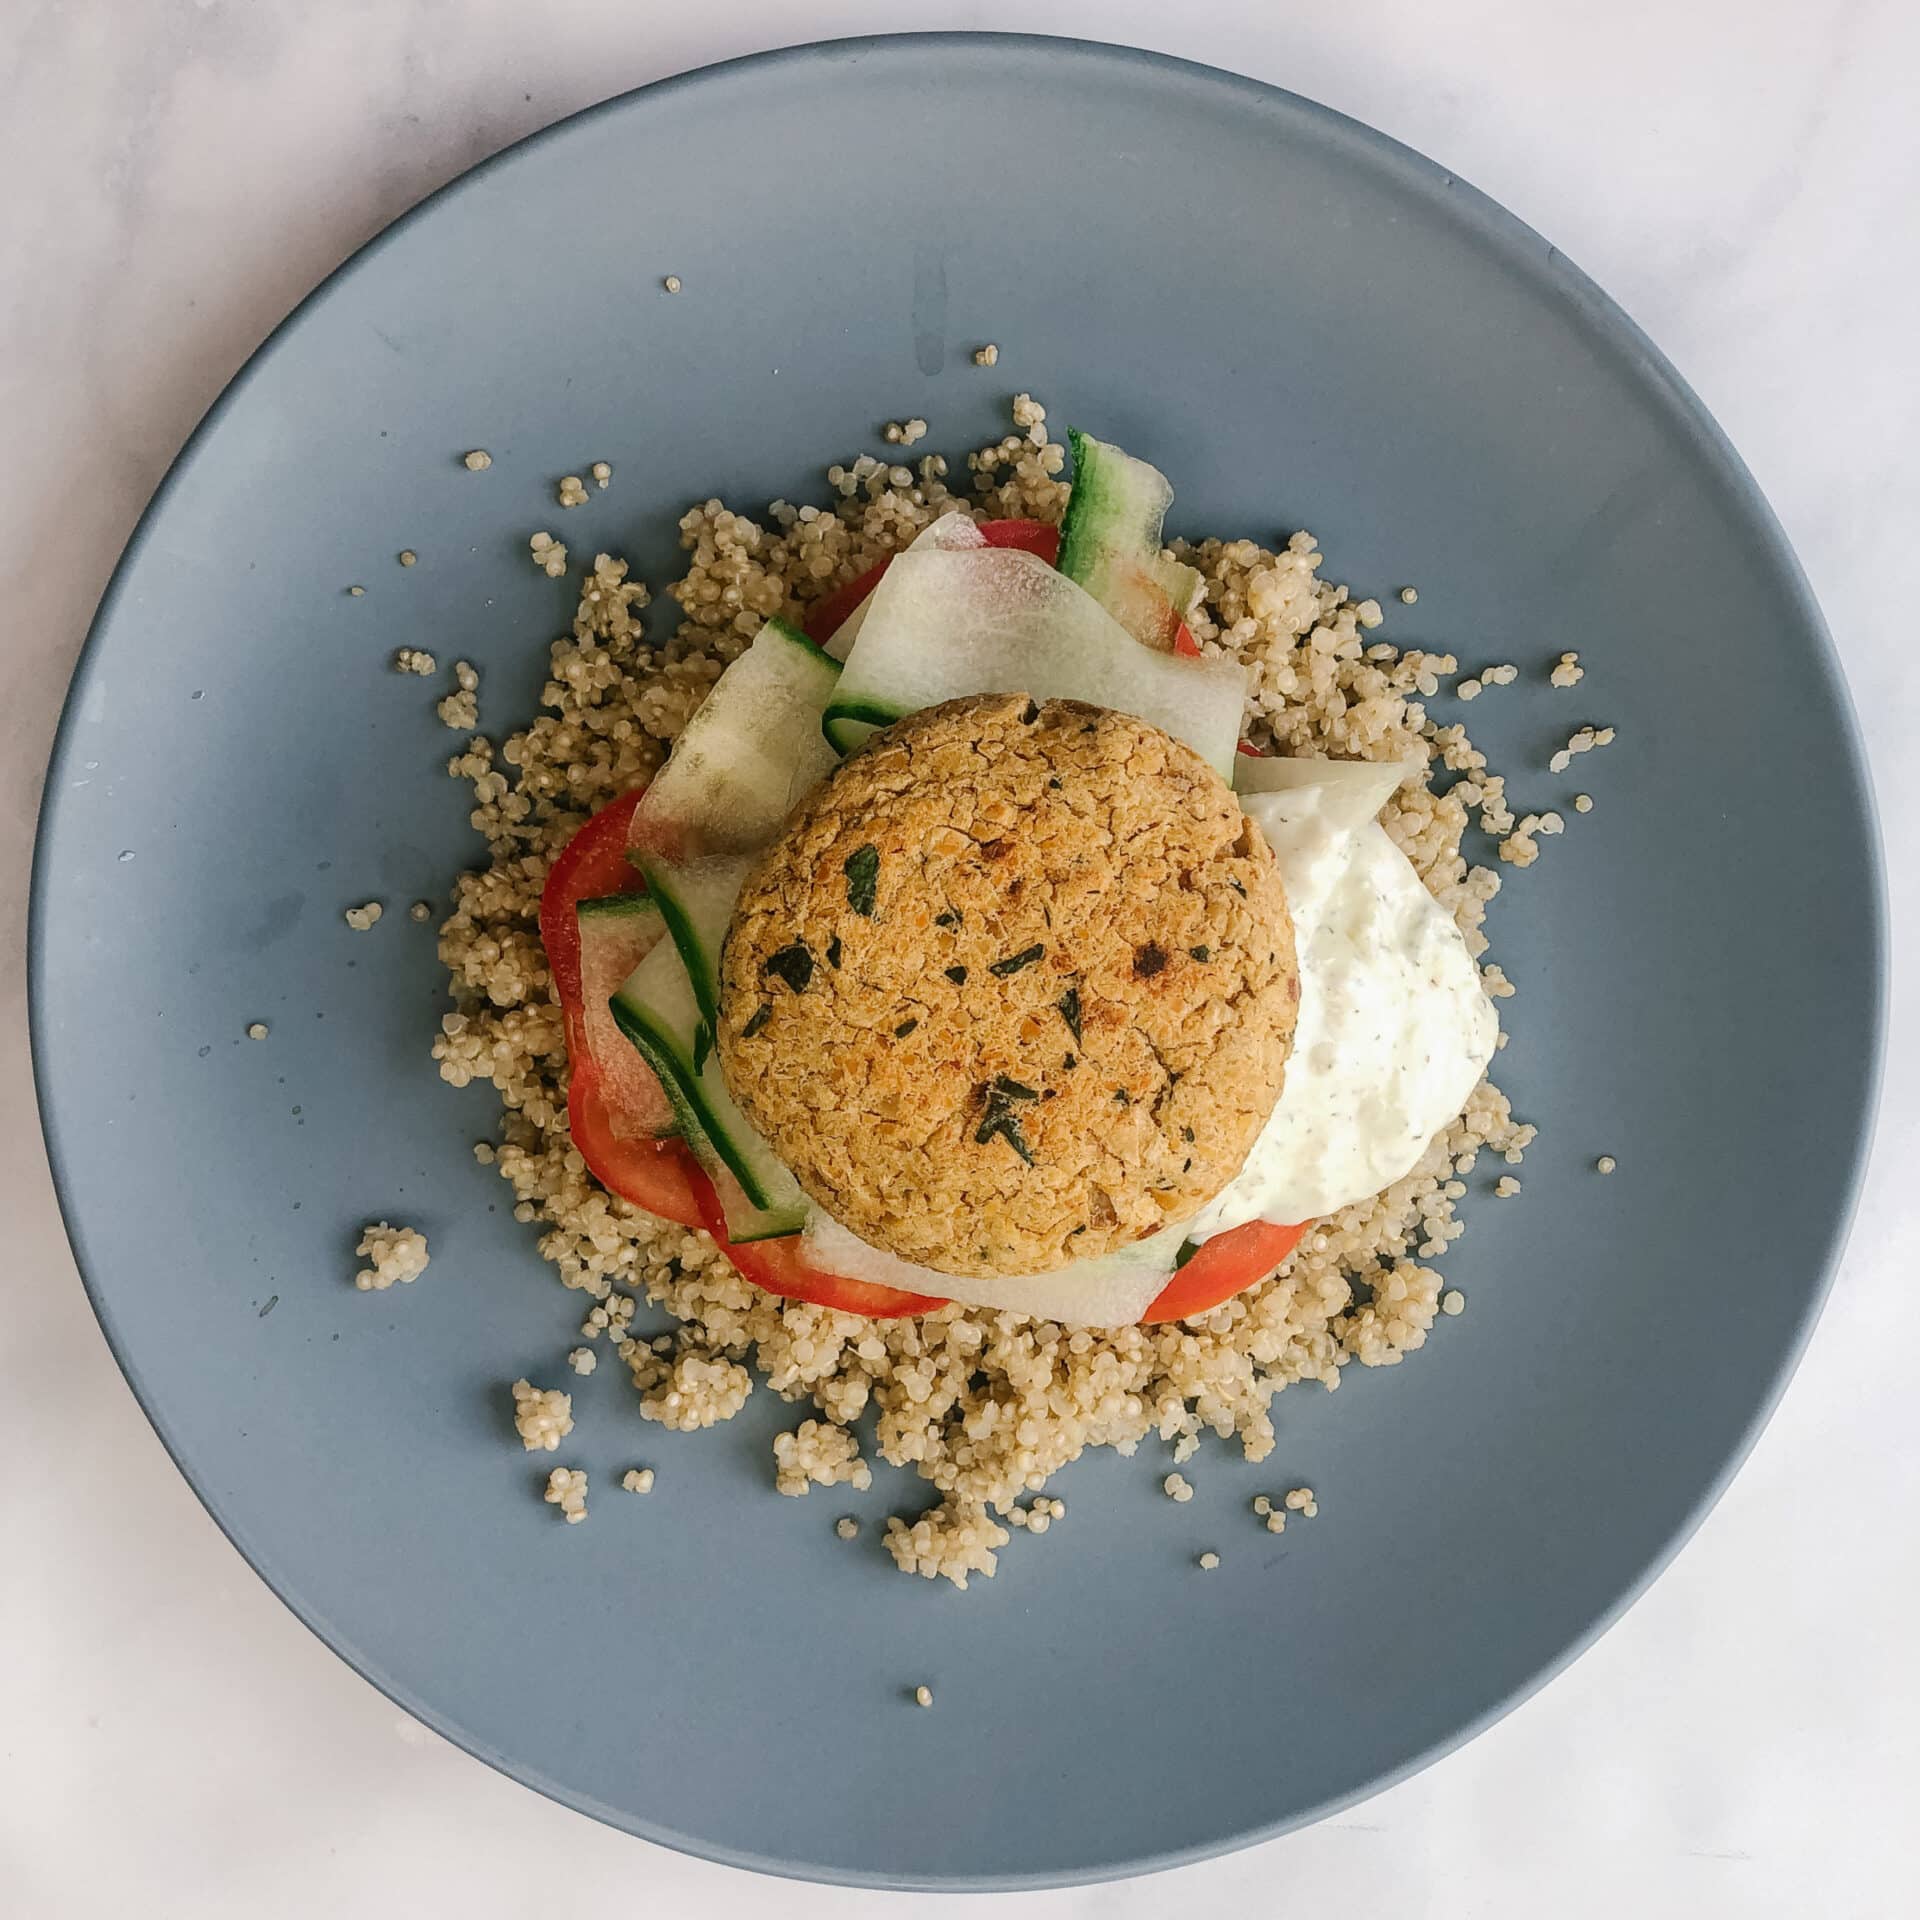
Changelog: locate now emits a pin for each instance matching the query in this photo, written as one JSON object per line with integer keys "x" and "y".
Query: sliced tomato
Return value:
{"x": 660, "y": 1175}
{"x": 777, "y": 1266}
{"x": 1227, "y": 1264}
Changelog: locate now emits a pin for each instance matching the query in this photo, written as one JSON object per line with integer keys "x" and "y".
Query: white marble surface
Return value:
{"x": 1742, "y": 176}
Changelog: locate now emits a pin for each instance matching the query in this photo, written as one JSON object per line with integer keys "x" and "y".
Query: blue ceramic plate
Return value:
{"x": 1302, "y": 323}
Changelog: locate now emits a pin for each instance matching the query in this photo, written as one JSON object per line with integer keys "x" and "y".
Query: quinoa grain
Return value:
{"x": 543, "y": 1418}
{"x": 567, "y": 1490}
{"x": 398, "y": 1255}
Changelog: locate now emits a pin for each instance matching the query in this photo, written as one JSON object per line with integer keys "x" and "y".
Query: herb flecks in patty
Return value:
{"x": 1001, "y": 1121}
{"x": 1149, "y": 960}
{"x": 1070, "y": 1013}
{"x": 904, "y": 1028}
{"x": 1015, "y": 961}
{"x": 758, "y": 1020}
{"x": 792, "y": 965}
{"x": 947, "y": 919}
{"x": 863, "y": 879}
{"x": 833, "y": 953}
{"x": 958, "y": 975}
{"x": 1202, "y": 954}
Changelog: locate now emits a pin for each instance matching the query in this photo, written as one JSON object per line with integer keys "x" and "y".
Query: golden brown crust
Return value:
{"x": 1015, "y": 987}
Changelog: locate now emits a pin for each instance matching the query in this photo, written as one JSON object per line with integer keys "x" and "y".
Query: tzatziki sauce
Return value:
{"x": 1394, "y": 1030}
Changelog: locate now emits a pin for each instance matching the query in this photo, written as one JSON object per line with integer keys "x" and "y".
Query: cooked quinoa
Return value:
{"x": 461, "y": 708}
{"x": 398, "y": 1256}
{"x": 415, "y": 660}
{"x": 567, "y": 1490}
{"x": 984, "y": 1406}
{"x": 818, "y": 1454}
{"x": 543, "y": 1417}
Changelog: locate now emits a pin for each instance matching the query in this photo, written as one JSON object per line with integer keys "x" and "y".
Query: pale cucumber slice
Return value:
{"x": 1358, "y": 789}
{"x": 725, "y": 787}
{"x": 659, "y": 1012}
{"x": 696, "y": 900}
{"x": 1110, "y": 541}
{"x": 1112, "y": 1291}
{"x": 946, "y": 623}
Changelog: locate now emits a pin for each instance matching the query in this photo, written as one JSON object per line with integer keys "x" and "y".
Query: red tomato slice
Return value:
{"x": 1227, "y": 1264}
{"x": 1030, "y": 536}
{"x": 660, "y": 1175}
{"x": 776, "y": 1266}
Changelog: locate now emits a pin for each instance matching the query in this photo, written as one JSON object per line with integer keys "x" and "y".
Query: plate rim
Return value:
{"x": 1602, "y": 314}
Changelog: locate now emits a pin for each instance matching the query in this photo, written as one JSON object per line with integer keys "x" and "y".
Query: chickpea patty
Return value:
{"x": 1015, "y": 987}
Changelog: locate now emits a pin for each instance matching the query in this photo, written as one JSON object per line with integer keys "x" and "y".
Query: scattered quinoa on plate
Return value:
{"x": 395, "y": 1256}
{"x": 748, "y": 878}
